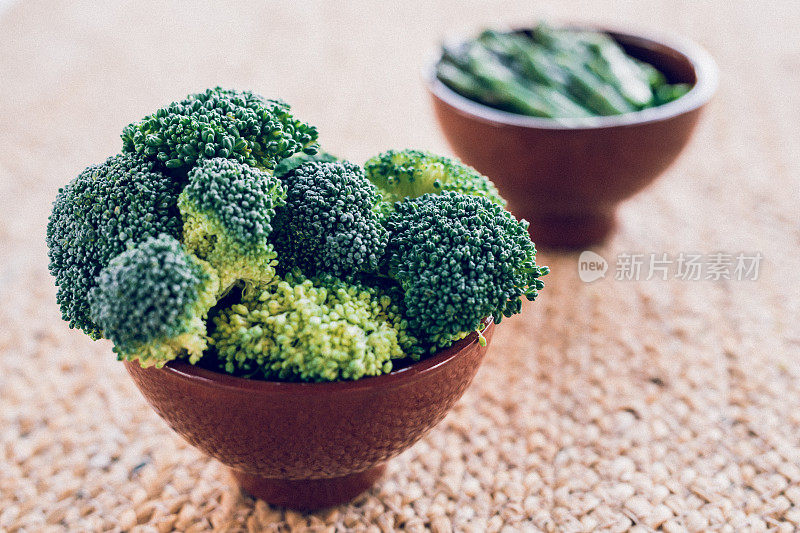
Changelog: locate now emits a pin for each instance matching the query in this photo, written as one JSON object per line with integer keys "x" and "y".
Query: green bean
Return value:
{"x": 592, "y": 92}
{"x": 535, "y": 72}
{"x": 554, "y": 73}
{"x": 612, "y": 65}
{"x": 654, "y": 77}
{"x": 495, "y": 86}
{"x": 668, "y": 93}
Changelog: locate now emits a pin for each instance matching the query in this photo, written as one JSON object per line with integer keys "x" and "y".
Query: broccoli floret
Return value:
{"x": 106, "y": 209}
{"x": 227, "y": 208}
{"x": 236, "y": 125}
{"x": 403, "y": 174}
{"x": 291, "y": 163}
{"x": 459, "y": 259}
{"x": 152, "y": 300}
{"x": 330, "y": 221}
{"x": 296, "y": 328}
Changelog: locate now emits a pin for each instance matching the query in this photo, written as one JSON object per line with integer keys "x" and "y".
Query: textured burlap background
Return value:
{"x": 613, "y": 405}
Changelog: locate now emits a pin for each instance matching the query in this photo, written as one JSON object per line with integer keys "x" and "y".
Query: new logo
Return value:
{"x": 591, "y": 266}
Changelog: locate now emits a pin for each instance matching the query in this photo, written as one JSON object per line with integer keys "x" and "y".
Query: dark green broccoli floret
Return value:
{"x": 152, "y": 301}
{"x": 227, "y": 209}
{"x": 291, "y": 163}
{"x": 236, "y": 125}
{"x": 329, "y": 223}
{"x": 95, "y": 217}
{"x": 403, "y": 174}
{"x": 311, "y": 330}
{"x": 459, "y": 259}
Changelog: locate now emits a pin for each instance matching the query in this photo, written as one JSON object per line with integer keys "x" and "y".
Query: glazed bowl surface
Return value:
{"x": 309, "y": 445}
{"x": 567, "y": 176}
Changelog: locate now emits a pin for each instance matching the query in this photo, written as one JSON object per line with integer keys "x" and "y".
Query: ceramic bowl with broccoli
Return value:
{"x": 222, "y": 246}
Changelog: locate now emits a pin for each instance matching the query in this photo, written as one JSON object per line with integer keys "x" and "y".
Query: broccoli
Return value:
{"x": 227, "y": 208}
{"x": 285, "y": 166}
{"x": 459, "y": 259}
{"x": 330, "y": 221}
{"x": 341, "y": 271}
{"x": 412, "y": 173}
{"x": 97, "y": 216}
{"x": 152, "y": 301}
{"x": 297, "y": 328}
{"x": 237, "y": 125}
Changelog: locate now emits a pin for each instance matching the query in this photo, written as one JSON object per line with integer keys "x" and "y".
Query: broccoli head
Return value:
{"x": 227, "y": 208}
{"x": 97, "y": 216}
{"x": 459, "y": 259}
{"x": 152, "y": 301}
{"x": 300, "y": 329}
{"x": 403, "y": 174}
{"x": 330, "y": 222}
{"x": 238, "y": 125}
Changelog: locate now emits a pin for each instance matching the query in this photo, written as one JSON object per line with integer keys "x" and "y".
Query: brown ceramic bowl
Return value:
{"x": 567, "y": 176}
{"x": 309, "y": 445}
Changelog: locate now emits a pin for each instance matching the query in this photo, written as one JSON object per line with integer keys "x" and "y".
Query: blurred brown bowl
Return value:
{"x": 309, "y": 445}
{"x": 566, "y": 176}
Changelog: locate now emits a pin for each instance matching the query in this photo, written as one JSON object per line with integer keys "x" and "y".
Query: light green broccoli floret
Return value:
{"x": 152, "y": 301}
{"x": 325, "y": 329}
{"x": 400, "y": 174}
{"x": 227, "y": 208}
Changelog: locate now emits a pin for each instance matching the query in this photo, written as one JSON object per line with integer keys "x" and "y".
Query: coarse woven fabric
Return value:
{"x": 613, "y": 405}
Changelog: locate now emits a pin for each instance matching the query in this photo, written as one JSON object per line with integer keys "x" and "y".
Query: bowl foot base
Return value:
{"x": 571, "y": 232}
{"x": 308, "y": 494}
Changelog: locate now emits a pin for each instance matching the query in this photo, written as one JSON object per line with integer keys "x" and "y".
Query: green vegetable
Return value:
{"x": 227, "y": 208}
{"x": 403, "y": 174}
{"x": 312, "y": 330}
{"x": 552, "y": 73}
{"x": 329, "y": 223}
{"x": 668, "y": 93}
{"x": 570, "y": 51}
{"x": 615, "y": 67}
{"x": 537, "y": 70}
{"x": 601, "y": 98}
{"x": 459, "y": 259}
{"x": 98, "y": 215}
{"x": 496, "y": 83}
{"x": 152, "y": 301}
{"x": 654, "y": 77}
{"x": 238, "y": 125}
{"x": 464, "y": 83}
{"x": 219, "y": 236}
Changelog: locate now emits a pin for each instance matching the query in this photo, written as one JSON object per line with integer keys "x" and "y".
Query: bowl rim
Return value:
{"x": 706, "y": 73}
{"x": 210, "y": 379}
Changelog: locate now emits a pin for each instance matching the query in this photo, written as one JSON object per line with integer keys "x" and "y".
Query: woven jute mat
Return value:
{"x": 620, "y": 404}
